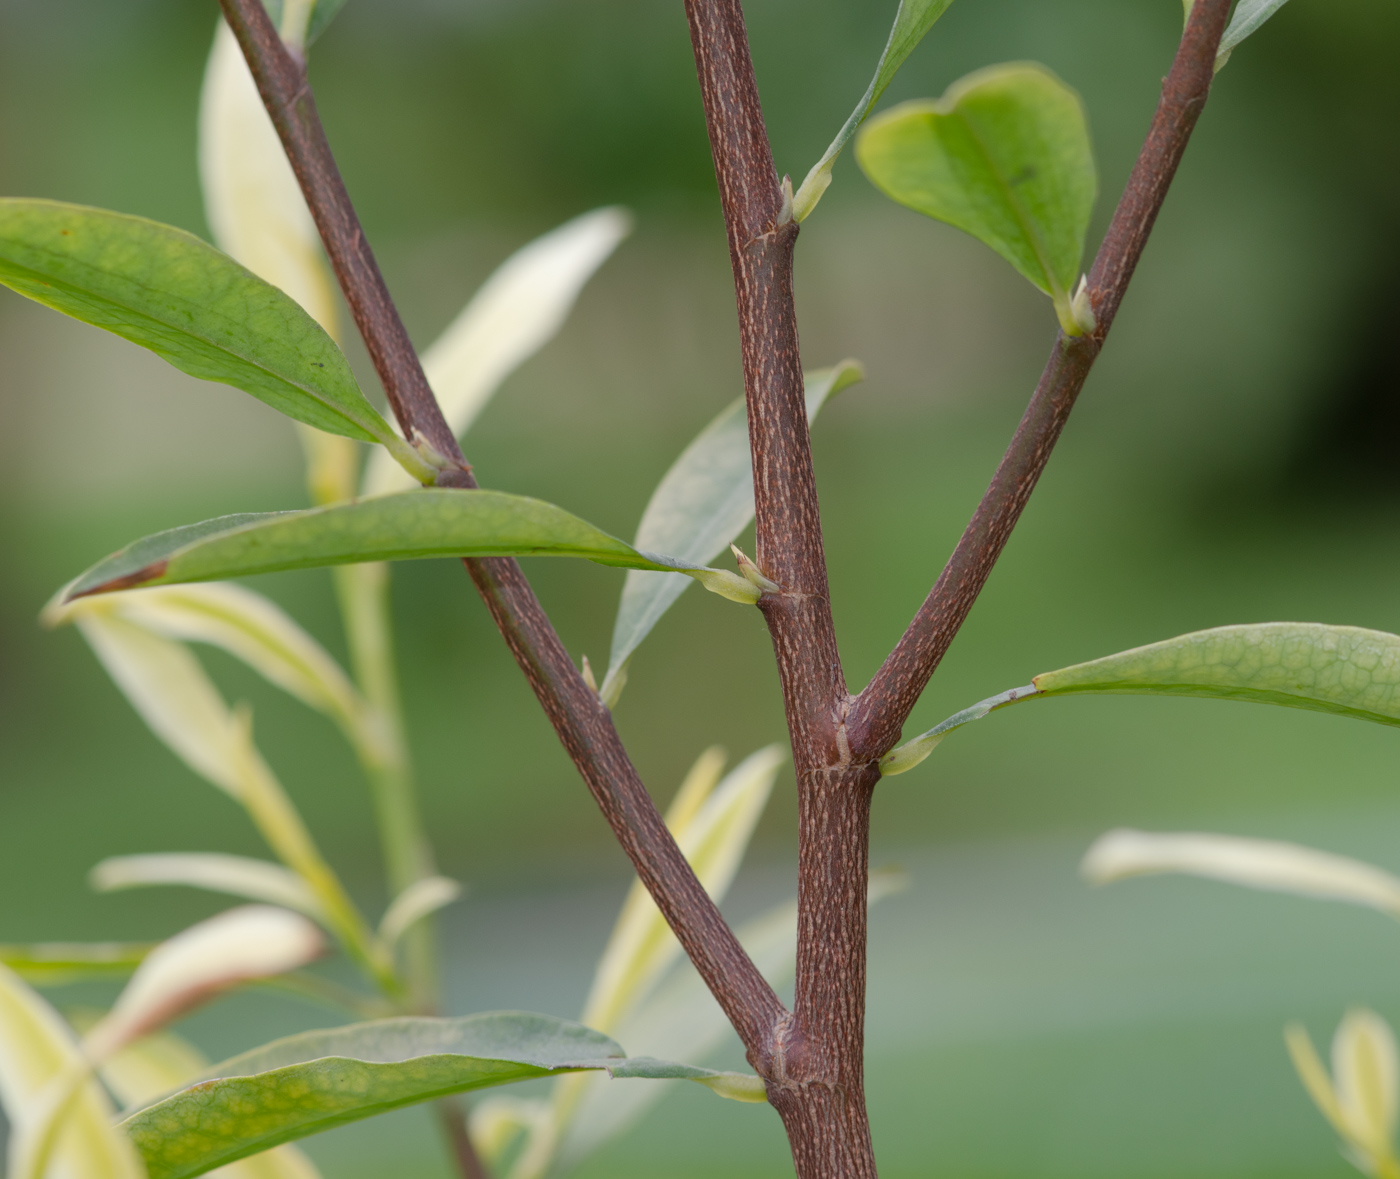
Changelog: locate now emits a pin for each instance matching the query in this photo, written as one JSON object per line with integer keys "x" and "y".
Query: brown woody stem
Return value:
{"x": 581, "y": 722}
{"x": 880, "y": 711}
{"x": 816, "y": 1083}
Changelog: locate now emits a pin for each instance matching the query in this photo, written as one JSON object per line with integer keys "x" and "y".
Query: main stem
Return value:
{"x": 817, "y": 1079}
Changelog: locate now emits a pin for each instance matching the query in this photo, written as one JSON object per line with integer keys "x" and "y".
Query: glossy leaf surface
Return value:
{"x": 701, "y": 504}
{"x": 1004, "y": 155}
{"x": 911, "y": 22}
{"x": 189, "y": 303}
{"x": 311, "y": 1082}
{"x": 403, "y": 526}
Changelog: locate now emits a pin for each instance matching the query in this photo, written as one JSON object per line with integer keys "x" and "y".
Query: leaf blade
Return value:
{"x": 192, "y": 305}
{"x": 700, "y": 506}
{"x": 329, "y": 1078}
{"x": 403, "y": 526}
{"x": 912, "y": 20}
{"x": 240, "y": 876}
{"x": 1004, "y": 156}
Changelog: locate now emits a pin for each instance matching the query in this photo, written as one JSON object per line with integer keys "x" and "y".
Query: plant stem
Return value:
{"x": 817, "y": 1082}
{"x": 579, "y": 719}
{"x": 363, "y": 592}
{"x": 879, "y": 712}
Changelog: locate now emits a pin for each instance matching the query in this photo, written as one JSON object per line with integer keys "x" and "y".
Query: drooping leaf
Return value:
{"x": 246, "y": 625}
{"x": 1004, "y": 155}
{"x": 1249, "y": 15}
{"x": 701, "y": 504}
{"x": 190, "y": 304}
{"x": 250, "y": 942}
{"x": 402, "y": 526}
{"x": 1345, "y": 670}
{"x": 161, "y": 1063}
{"x": 240, "y": 876}
{"x": 304, "y": 1084}
{"x": 1255, "y": 863}
{"x": 911, "y": 22}
{"x": 518, "y": 310}
{"x": 37, "y": 1051}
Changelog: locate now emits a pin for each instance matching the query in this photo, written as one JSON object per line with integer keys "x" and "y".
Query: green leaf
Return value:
{"x": 322, "y": 13}
{"x": 701, "y": 504}
{"x": 911, "y": 22}
{"x": 1249, "y": 16}
{"x": 1004, "y": 155}
{"x": 1344, "y": 670}
{"x": 193, "y": 306}
{"x": 404, "y": 526}
{"x": 304, "y": 1084}
{"x": 52, "y": 964}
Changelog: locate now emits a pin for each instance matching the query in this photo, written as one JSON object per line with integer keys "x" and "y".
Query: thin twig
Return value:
{"x": 881, "y": 709}
{"x": 581, "y": 722}
{"x": 818, "y": 1086}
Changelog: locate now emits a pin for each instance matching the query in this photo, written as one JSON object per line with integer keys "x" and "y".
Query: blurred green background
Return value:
{"x": 1234, "y": 459}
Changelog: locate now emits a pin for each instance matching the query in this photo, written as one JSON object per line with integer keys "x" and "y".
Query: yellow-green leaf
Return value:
{"x": 1004, "y": 155}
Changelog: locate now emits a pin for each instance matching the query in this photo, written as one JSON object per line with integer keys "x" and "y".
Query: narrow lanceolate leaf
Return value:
{"x": 37, "y": 1052}
{"x": 1256, "y": 863}
{"x": 418, "y": 900}
{"x": 911, "y": 22}
{"x": 714, "y": 836}
{"x": 1339, "y": 669}
{"x": 304, "y": 1084}
{"x": 241, "y": 622}
{"x": 1248, "y": 17}
{"x": 52, "y": 964}
{"x": 193, "y": 306}
{"x": 518, "y": 310}
{"x": 1004, "y": 155}
{"x": 240, "y": 876}
{"x": 701, "y": 504}
{"x": 403, "y": 526}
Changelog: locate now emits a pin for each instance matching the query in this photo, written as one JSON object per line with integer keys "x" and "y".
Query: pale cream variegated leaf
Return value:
{"x": 166, "y": 685}
{"x": 37, "y": 1051}
{"x": 239, "y": 945}
{"x": 1255, "y": 863}
{"x": 680, "y": 1020}
{"x": 713, "y": 838}
{"x": 417, "y": 901}
{"x": 516, "y": 312}
{"x": 164, "y": 1062}
{"x": 251, "y": 197}
{"x": 241, "y": 876}
{"x": 246, "y": 625}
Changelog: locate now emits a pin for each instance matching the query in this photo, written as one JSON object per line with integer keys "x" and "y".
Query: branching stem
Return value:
{"x": 879, "y": 712}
